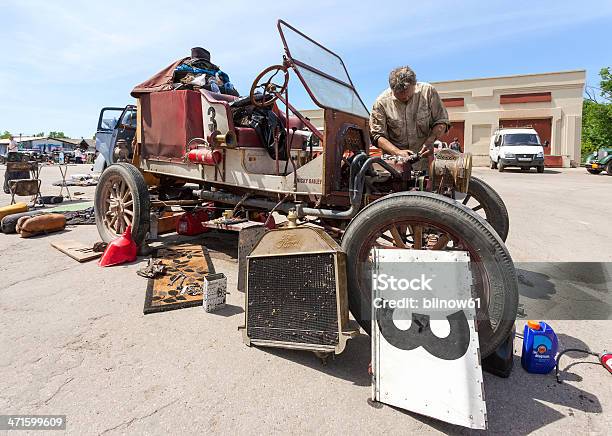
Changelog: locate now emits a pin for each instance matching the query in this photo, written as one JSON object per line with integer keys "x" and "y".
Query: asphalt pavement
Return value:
{"x": 74, "y": 340}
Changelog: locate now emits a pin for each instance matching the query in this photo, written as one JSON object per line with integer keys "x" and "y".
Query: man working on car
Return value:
{"x": 407, "y": 117}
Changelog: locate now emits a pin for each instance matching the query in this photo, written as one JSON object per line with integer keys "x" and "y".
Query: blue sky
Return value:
{"x": 64, "y": 60}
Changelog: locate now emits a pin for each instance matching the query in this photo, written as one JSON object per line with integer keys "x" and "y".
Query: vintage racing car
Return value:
{"x": 213, "y": 147}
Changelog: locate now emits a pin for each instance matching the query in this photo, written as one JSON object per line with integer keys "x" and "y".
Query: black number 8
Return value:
{"x": 419, "y": 334}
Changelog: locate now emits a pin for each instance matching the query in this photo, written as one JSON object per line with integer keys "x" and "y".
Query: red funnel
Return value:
{"x": 121, "y": 250}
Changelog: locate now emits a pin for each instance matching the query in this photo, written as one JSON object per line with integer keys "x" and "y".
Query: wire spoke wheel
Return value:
{"x": 122, "y": 200}
{"x": 425, "y": 221}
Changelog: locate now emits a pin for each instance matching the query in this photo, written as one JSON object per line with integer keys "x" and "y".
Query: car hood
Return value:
{"x": 523, "y": 149}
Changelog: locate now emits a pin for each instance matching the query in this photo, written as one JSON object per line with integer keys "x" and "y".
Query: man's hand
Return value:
{"x": 385, "y": 145}
{"x": 426, "y": 150}
{"x": 404, "y": 153}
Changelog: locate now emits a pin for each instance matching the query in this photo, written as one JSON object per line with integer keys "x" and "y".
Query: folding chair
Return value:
{"x": 22, "y": 187}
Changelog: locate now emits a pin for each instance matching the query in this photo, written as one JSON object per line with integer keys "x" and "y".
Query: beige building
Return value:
{"x": 551, "y": 103}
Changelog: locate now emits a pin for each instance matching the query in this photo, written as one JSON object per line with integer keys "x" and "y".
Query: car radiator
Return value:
{"x": 296, "y": 293}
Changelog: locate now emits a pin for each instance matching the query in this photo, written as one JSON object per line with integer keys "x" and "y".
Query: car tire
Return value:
{"x": 122, "y": 177}
{"x": 492, "y": 164}
{"x": 609, "y": 168}
{"x": 500, "y": 167}
{"x": 491, "y": 203}
{"x": 594, "y": 171}
{"x": 494, "y": 267}
{"x": 541, "y": 169}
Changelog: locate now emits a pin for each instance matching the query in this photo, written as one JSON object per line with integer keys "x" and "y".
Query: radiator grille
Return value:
{"x": 293, "y": 299}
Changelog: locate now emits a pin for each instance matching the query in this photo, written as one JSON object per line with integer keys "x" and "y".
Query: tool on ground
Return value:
{"x": 121, "y": 250}
{"x": 154, "y": 268}
{"x": 99, "y": 246}
{"x": 605, "y": 359}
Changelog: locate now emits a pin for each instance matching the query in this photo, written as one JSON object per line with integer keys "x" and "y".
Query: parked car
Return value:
{"x": 514, "y": 147}
{"x": 600, "y": 160}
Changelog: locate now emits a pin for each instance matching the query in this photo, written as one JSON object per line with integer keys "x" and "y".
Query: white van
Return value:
{"x": 515, "y": 147}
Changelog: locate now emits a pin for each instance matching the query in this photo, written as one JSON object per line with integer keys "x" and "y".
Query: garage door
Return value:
{"x": 456, "y": 131}
{"x": 541, "y": 125}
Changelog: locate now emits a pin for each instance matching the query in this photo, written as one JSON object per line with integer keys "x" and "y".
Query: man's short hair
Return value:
{"x": 401, "y": 78}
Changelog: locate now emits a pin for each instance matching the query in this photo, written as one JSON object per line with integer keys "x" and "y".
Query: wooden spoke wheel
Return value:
{"x": 425, "y": 221}
{"x": 122, "y": 200}
{"x": 484, "y": 200}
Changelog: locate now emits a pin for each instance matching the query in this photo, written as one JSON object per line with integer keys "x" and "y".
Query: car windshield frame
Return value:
{"x": 526, "y": 142}
{"x": 327, "y": 83}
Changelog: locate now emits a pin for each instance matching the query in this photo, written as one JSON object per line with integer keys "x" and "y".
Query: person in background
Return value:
{"x": 455, "y": 145}
{"x": 407, "y": 117}
{"x": 12, "y": 145}
{"x": 78, "y": 155}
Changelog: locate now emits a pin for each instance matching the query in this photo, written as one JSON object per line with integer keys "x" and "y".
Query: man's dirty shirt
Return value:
{"x": 407, "y": 125}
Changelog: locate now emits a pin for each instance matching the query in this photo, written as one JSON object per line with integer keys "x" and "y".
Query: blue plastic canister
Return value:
{"x": 540, "y": 346}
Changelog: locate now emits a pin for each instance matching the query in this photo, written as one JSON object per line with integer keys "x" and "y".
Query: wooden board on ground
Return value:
{"x": 77, "y": 250}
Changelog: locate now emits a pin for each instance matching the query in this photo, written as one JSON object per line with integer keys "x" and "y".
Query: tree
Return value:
{"x": 5, "y": 135}
{"x": 57, "y": 135}
{"x": 597, "y": 117}
{"x": 606, "y": 83}
{"x": 40, "y": 134}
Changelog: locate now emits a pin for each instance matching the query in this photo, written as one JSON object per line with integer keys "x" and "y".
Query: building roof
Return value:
{"x": 512, "y": 76}
{"x": 72, "y": 141}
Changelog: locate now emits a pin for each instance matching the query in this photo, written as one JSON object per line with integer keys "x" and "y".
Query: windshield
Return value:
{"x": 521, "y": 139}
{"x": 108, "y": 119}
{"x": 322, "y": 72}
{"x": 129, "y": 118}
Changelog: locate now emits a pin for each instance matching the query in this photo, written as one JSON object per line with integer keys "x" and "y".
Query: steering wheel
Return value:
{"x": 269, "y": 92}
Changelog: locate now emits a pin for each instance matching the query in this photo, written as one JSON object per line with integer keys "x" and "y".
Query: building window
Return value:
{"x": 534, "y": 97}
{"x": 453, "y": 102}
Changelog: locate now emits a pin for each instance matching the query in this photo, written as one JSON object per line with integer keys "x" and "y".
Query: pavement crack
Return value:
{"x": 38, "y": 276}
{"x": 139, "y": 418}
{"x": 57, "y": 391}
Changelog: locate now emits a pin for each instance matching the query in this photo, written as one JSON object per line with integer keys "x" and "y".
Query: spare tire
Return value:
{"x": 429, "y": 215}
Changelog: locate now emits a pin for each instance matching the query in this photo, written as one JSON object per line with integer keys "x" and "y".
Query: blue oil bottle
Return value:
{"x": 540, "y": 346}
